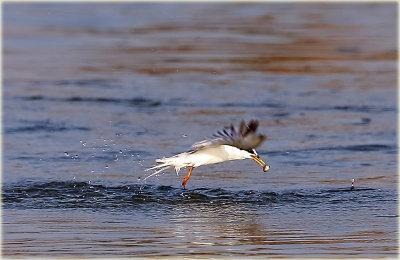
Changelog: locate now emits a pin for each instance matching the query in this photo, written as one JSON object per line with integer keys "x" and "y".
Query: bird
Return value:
{"x": 229, "y": 143}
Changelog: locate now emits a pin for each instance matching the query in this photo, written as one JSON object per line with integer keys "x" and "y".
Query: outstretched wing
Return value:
{"x": 244, "y": 137}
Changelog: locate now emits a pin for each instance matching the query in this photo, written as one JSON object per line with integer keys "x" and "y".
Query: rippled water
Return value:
{"x": 93, "y": 93}
{"x": 141, "y": 220}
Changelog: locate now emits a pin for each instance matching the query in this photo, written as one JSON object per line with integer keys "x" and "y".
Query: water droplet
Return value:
{"x": 76, "y": 156}
{"x": 106, "y": 166}
{"x": 84, "y": 143}
{"x": 92, "y": 171}
{"x": 184, "y": 135}
{"x": 66, "y": 154}
{"x": 116, "y": 158}
{"x": 120, "y": 151}
{"x": 89, "y": 182}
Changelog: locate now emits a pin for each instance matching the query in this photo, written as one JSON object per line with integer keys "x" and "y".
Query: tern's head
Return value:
{"x": 254, "y": 155}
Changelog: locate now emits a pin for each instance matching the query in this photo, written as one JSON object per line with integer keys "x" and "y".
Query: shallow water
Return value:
{"x": 90, "y": 102}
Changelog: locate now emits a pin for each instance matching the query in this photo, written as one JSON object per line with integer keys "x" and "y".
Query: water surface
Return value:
{"x": 93, "y": 93}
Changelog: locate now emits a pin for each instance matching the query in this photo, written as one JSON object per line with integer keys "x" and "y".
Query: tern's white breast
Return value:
{"x": 216, "y": 154}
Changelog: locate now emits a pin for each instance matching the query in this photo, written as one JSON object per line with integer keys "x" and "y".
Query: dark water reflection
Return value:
{"x": 93, "y": 93}
{"x": 142, "y": 220}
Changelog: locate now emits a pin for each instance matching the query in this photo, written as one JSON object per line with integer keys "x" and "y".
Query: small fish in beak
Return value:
{"x": 258, "y": 160}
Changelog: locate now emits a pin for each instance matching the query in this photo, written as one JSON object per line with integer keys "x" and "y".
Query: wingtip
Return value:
{"x": 253, "y": 125}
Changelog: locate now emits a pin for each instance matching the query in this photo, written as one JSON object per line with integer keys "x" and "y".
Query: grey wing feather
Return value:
{"x": 244, "y": 139}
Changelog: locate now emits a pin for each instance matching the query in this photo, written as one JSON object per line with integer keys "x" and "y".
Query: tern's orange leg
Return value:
{"x": 187, "y": 177}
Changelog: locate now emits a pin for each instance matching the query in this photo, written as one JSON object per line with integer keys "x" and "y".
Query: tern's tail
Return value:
{"x": 162, "y": 164}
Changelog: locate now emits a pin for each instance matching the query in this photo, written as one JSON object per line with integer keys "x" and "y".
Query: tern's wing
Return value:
{"x": 225, "y": 136}
{"x": 244, "y": 137}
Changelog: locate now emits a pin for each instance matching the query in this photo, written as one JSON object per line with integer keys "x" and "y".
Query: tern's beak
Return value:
{"x": 260, "y": 162}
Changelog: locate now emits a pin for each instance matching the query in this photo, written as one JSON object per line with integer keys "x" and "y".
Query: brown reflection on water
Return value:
{"x": 304, "y": 56}
{"x": 268, "y": 47}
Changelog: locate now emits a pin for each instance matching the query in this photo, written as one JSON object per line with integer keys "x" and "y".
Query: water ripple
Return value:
{"x": 136, "y": 102}
{"x": 350, "y": 148}
{"x": 86, "y": 195}
{"x": 32, "y": 126}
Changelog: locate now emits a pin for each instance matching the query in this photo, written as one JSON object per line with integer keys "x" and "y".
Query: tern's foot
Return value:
{"x": 184, "y": 182}
{"x": 187, "y": 177}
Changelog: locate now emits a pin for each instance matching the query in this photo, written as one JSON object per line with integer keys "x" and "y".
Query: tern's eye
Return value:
{"x": 251, "y": 151}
